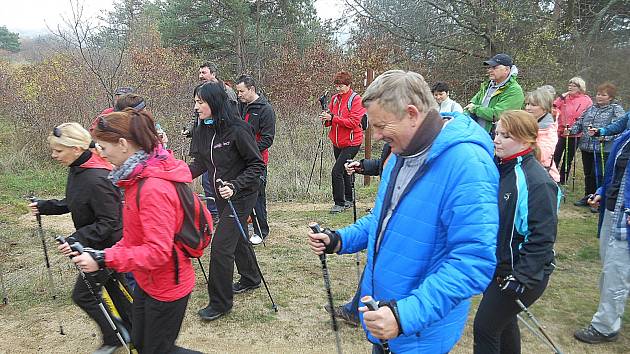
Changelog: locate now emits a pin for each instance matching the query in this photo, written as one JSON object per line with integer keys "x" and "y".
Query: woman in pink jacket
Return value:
{"x": 539, "y": 104}
{"x": 570, "y": 106}
{"x": 152, "y": 216}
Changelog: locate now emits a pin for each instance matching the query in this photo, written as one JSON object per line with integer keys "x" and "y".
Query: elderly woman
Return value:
{"x": 528, "y": 220}
{"x": 94, "y": 204}
{"x": 595, "y": 150}
{"x": 570, "y": 105}
{"x": 539, "y": 104}
{"x": 344, "y": 119}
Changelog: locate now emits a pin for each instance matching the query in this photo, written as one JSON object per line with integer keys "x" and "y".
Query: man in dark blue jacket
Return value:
{"x": 431, "y": 237}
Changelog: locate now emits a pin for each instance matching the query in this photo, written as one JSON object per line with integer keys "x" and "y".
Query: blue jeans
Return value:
{"x": 353, "y": 306}
{"x": 208, "y": 190}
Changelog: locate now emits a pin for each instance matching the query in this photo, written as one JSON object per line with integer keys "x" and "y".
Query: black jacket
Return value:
{"x": 260, "y": 115}
{"x": 374, "y": 167}
{"x": 94, "y": 203}
{"x": 528, "y": 220}
{"x": 233, "y": 157}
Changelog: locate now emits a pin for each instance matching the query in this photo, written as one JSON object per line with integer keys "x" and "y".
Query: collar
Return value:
{"x": 512, "y": 157}
{"x": 425, "y": 134}
{"x": 83, "y": 158}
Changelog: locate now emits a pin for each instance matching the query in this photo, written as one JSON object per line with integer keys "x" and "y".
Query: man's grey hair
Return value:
{"x": 394, "y": 90}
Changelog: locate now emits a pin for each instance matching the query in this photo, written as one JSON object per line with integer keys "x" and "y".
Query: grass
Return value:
{"x": 29, "y": 322}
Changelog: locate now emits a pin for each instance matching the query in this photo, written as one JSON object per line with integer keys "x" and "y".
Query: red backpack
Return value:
{"x": 196, "y": 231}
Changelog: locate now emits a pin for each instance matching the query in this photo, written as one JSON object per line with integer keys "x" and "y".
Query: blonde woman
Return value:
{"x": 539, "y": 104}
{"x": 94, "y": 204}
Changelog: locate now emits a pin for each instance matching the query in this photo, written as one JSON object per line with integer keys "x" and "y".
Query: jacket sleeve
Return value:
{"x": 536, "y": 250}
{"x": 105, "y": 204}
{"x": 511, "y": 98}
{"x": 267, "y": 127}
{"x": 157, "y": 201}
{"x": 577, "y": 126}
{"x": 616, "y": 127}
{"x": 353, "y": 118}
{"x": 617, "y": 115}
{"x": 470, "y": 218}
{"x": 196, "y": 168}
{"x": 371, "y": 167}
{"x": 354, "y": 238}
{"x": 52, "y": 207}
{"x": 254, "y": 165}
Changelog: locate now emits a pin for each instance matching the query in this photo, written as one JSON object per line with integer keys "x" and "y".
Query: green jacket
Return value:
{"x": 509, "y": 96}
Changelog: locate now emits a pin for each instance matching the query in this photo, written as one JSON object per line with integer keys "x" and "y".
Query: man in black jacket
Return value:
{"x": 260, "y": 115}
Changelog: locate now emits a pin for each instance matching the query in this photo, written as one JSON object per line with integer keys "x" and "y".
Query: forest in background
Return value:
{"x": 156, "y": 47}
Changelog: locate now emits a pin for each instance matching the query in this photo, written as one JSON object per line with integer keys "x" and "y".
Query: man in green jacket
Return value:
{"x": 502, "y": 92}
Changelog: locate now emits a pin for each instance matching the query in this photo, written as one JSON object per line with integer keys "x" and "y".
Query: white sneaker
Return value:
{"x": 255, "y": 240}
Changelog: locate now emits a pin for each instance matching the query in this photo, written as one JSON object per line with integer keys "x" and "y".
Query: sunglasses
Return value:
{"x": 104, "y": 126}
{"x": 56, "y": 132}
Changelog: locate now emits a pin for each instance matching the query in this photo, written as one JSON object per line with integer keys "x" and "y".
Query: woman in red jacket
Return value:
{"x": 344, "y": 119}
{"x": 164, "y": 274}
{"x": 570, "y": 106}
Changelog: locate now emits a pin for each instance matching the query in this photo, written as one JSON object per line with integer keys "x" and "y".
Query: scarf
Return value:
{"x": 135, "y": 163}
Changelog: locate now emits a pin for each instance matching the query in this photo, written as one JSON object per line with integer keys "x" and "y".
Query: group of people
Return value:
{"x": 484, "y": 178}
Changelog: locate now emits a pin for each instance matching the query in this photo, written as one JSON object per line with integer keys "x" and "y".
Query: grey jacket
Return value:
{"x": 596, "y": 117}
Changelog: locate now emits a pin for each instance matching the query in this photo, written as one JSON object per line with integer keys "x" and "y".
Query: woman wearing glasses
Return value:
{"x": 152, "y": 214}
{"x": 95, "y": 207}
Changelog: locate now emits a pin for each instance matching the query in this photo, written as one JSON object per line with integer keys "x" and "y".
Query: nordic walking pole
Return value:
{"x": 5, "y": 297}
{"x": 40, "y": 231}
{"x": 601, "y": 153}
{"x": 354, "y": 215}
{"x": 255, "y": 219}
{"x": 540, "y": 328}
{"x": 77, "y": 247}
{"x": 240, "y": 228}
{"x": 320, "y": 148}
{"x": 373, "y": 306}
{"x": 322, "y": 257}
{"x": 538, "y": 335}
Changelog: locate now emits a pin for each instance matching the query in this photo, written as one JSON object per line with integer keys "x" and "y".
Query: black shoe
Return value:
{"x": 592, "y": 336}
{"x": 238, "y": 288}
{"x": 337, "y": 209}
{"x": 582, "y": 202}
{"x": 341, "y": 312}
{"x": 210, "y": 314}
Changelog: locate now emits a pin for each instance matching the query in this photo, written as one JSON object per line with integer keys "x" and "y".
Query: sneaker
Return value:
{"x": 106, "y": 349}
{"x": 347, "y": 204}
{"x": 210, "y": 314}
{"x": 582, "y": 202}
{"x": 337, "y": 209}
{"x": 238, "y": 288}
{"x": 592, "y": 336}
{"x": 341, "y": 312}
{"x": 255, "y": 240}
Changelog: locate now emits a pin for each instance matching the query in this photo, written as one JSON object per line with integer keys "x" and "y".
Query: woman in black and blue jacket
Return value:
{"x": 528, "y": 219}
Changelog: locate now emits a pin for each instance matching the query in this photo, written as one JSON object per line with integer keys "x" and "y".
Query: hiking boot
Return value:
{"x": 210, "y": 314}
{"x": 238, "y": 288}
{"x": 347, "y": 204}
{"x": 341, "y": 312}
{"x": 592, "y": 336}
{"x": 255, "y": 240}
{"x": 106, "y": 349}
{"x": 337, "y": 209}
{"x": 582, "y": 202}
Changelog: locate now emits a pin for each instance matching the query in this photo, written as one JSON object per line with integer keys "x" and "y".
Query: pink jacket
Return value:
{"x": 571, "y": 108}
{"x": 547, "y": 140}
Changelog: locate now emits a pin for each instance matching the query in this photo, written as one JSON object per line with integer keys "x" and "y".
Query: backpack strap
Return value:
{"x": 176, "y": 261}
{"x": 354, "y": 94}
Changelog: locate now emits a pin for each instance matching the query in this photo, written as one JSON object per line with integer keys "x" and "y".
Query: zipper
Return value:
{"x": 214, "y": 174}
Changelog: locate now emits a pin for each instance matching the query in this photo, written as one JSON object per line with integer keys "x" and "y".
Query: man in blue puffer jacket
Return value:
{"x": 432, "y": 234}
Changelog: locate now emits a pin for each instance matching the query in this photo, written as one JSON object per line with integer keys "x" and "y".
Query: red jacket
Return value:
{"x": 571, "y": 108}
{"x": 345, "y": 125}
{"x": 146, "y": 248}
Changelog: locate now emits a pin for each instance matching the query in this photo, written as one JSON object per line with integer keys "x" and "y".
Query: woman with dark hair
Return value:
{"x": 152, "y": 215}
{"x": 528, "y": 220}
{"x": 344, "y": 119}
{"x": 225, "y": 147}
{"x": 94, "y": 204}
{"x": 595, "y": 150}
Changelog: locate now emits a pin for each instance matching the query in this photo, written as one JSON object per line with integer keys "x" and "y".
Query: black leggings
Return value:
{"x": 496, "y": 325}
{"x": 341, "y": 181}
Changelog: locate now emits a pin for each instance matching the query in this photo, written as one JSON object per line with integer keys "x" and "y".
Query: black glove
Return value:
{"x": 511, "y": 286}
{"x": 335, "y": 239}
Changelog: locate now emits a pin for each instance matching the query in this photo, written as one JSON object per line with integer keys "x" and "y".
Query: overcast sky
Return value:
{"x": 30, "y": 17}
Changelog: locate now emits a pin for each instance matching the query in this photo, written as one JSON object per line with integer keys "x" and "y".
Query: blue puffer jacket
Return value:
{"x": 438, "y": 249}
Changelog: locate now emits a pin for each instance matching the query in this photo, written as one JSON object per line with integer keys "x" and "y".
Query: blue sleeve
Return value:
{"x": 354, "y": 237}
{"x": 616, "y": 127}
{"x": 470, "y": 218}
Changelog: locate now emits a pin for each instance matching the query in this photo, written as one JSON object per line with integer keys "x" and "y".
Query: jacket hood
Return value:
{"x": 260, "y": 101}
{"x": 161, "y": 164}
{"x": 460, "y": 129}
{"x": 96, "y": 161}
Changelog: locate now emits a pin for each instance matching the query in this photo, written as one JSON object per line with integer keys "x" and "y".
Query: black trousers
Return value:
{"x": 593, "y": 170}
{"x": 496, "y": 326}
{"x": 156, "y": 324}
{"x": 341, "y": 181}
{"x": 261, "y": 226}
{"x": 82, "y": 296}
{"x": 228, "y": 246}
{"x": 564, "y": 162}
